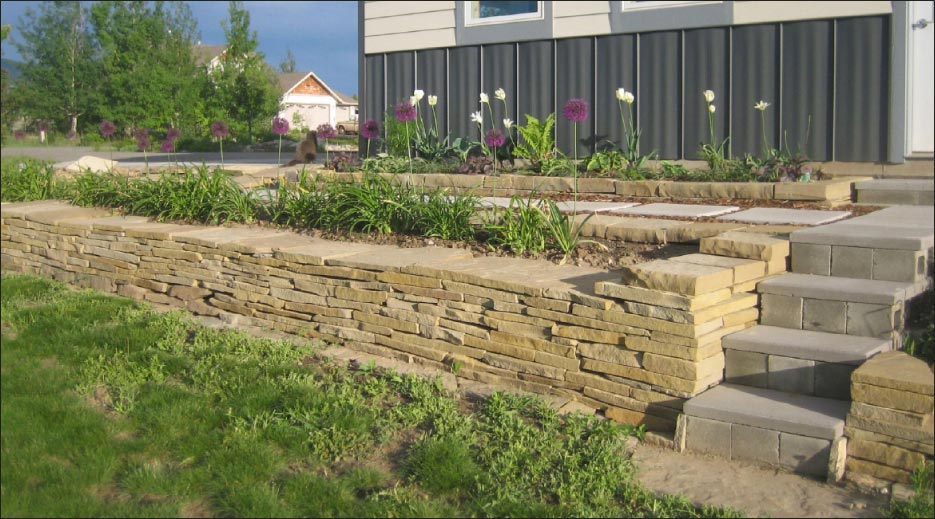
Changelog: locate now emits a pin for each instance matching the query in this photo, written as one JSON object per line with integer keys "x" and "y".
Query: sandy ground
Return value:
{"x": 755, "y": 490}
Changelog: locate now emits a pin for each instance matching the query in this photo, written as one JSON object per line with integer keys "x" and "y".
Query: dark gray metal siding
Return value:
{"x": 374, "y": 100}
{"x": 431, "y": 73}
{"x": 825, "y": 79}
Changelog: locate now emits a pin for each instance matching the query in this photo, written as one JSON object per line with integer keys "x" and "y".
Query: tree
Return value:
{"x": 287, "y": 65}
{"x": 60, "y": 74}
{"x": 148, "y": 63}
{"x": 247, "y": 87}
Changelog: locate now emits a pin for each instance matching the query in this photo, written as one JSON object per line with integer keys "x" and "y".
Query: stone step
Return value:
{"x": 896, "y": 191}
{"x": 797, "y": 361}
{"x": 793, "y": 431}
{"x": 849, "y": 306}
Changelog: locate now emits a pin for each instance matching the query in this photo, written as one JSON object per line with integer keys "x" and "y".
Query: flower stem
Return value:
{"x": 221, "y": 141}
{"x": 408, "y": 147}
{"x": 574, "y": 207}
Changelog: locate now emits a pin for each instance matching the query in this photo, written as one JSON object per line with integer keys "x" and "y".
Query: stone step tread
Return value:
{"x": 873, "y": 234}
{"x": 892, "y": 184}
{"x": 836, "y": 288}
{"x": 806, "y": 344}
{"x": 897, "y": 216}
{"x": 769, "y": 409}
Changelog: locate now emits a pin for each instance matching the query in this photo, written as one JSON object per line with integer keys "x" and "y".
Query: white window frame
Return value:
{"x": 470, "y": 21}
{"x": 662, "y": 4}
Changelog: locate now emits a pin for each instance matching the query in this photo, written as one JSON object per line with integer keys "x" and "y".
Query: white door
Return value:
{"x": 921, "y": 116}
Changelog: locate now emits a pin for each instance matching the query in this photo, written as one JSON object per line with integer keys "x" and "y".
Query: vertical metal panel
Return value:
{"x": 755, "y": 77}
{"x": 807, "y": 91}
{"x": 534, "y": 84}
{"x": 374, "y": 99}
{"x": 658, "y": 95}
{"x": 400, "y": 77}
{"x": 616, "y": 68}
{"x": 500, "y": 72}
{"x": 860, "y": 103}
{"x": 430, "y": 77}
{"x": 464, "y": 89}
{"x": 574, "y": 78}
{"x": 706, "y": 68}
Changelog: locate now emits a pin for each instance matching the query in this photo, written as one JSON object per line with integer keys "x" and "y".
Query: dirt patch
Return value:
{"x": 101, "y": 400}
{"x": 756, "y": 490}
{"x": 195, "y": 509}
{"x": 8, "y": 332}
{"x": 49, "y": 363}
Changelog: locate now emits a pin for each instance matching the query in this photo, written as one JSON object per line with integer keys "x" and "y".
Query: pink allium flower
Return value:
{"x": 219, "y": 129}
{"x": 107, "y": 128}
{"x": 575, "y": 110}
{"x": 167, "y": 146}
{"x": 371, "y": 129}
{"x": 494, "y": 138}
{"x": 326, "y": 131}
{"x": 280, "y": 126}
{"x": 173, "y": 134}
{"x": 405, "y": 112}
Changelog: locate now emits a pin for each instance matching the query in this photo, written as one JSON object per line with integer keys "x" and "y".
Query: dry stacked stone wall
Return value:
{"x": 636, "y": 348}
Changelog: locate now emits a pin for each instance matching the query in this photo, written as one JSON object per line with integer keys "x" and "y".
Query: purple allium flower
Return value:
{"x": 173, "y": 134}
{"x": 107, "y": 128}
{"x": 326, "y": 131}
{"x": 371, "y": 129}
{"x": 167, "y": 146}
{"x": 494, "y": 138}
{"x": 280, "y": 126}
{"x": 405, "y": 112}
{"x": 576, "y": 110}
{"x": 19, "y": 135}
{"x": 219, "y": 129}
{"x": 142, "y": 142}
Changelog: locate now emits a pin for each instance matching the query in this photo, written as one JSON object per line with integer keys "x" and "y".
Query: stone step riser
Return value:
{"x": 907, "y": 266}
{"x": 789, "y": 374}
{"x": 886, "y": 197}
{"x": 800, "y": 454}
{"x": 833, "y": 316}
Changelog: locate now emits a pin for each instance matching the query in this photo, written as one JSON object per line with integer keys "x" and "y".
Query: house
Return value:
{"x": 846, "y": 81}
{"x": 208, "y": 55}
{"x": 308, "y": 101}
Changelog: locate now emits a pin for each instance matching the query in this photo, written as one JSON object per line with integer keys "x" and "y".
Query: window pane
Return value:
{"x": 488, "y": 9}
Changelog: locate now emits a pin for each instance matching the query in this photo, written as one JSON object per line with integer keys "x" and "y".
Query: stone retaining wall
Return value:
{"x": 635, "y": 351}
{"x": 890, "y": 427}
{"x": 834, "y": 190}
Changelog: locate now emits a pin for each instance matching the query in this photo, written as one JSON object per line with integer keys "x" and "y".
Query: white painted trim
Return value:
{"x": 910, "y": 90}
{"x": 470, "y": 21}
{"x": 663, "y": 4}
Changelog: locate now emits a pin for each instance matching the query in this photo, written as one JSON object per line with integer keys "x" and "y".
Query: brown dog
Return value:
{"x": 307, "y": 149}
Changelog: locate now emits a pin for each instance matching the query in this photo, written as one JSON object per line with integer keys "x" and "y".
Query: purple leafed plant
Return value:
{"x": 107, "y": 128}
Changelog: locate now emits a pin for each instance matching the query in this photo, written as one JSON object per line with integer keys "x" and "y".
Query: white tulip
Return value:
{"x": 761, "y": 106}
{"x": 477, "y": 117}
{"x": 413, "y": 100}
{"x": 628, "y": 98}
{"x": 433, "y": 100}
{"x": 709, "y": 95}
{"x": 507, "y": 123}
{"x": 484, "y": 98}
{"x": 620, "y": 93}
{"x": 500, "y": 94}
{"x": 418, "y": 94}
{"x": 711, "y": 108}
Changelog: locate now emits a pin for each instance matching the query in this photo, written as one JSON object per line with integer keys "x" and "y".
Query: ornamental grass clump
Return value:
{"x": 219, "y": 129}
{"x": 280, "y": 128}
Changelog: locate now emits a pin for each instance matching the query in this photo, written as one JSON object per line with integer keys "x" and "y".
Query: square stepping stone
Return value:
{"x": 684, "y": 210}
{"x": 594, "y": 207}
{"x": 789, "y": 216}
{"x": 499, "y": 201}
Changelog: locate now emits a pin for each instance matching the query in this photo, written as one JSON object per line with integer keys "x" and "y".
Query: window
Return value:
{"x": 479, "y": 12}
{"x": 631, "y": 5}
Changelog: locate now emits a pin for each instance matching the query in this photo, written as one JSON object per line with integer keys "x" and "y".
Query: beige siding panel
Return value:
{"x": 764, "y": 12}
{"x": 563, "y": 9}
{"x": 581, "y": 26}
{"x": 410, "y": 23}
{"x": 384, "y": 9}
{"x": 409, "y": 41}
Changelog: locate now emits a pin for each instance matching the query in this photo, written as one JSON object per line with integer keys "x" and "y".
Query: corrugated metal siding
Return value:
{"x": 574, "y": 78}
{"x": 793, "y": 66}
{"x": 431, "y": 72}
{"x": 374, "y": 99}
{"x": 706, "y": 68}
{"x": 755, "y": 78}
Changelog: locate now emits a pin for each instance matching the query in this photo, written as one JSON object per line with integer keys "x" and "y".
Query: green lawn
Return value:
{"x": 112, "y": 409}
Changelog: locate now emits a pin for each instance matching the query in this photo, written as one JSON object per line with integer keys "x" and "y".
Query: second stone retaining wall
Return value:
{"x": 637, "y": 353}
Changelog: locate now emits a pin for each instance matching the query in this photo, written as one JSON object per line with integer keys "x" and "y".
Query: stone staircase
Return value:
{"x": 786, "y": 389}
{"x": 896, "y": 191}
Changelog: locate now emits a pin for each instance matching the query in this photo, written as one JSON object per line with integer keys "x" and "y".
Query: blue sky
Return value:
{"x": 321, "y": 35}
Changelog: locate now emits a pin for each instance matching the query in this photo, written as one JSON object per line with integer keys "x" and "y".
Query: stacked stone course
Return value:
{"x": 636, "y": 350}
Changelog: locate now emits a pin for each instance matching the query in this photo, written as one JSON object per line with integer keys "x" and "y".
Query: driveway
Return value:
{"x": 134, "y": 159}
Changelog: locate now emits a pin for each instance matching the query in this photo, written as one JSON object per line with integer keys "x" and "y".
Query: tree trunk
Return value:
{"x": 73, "y": 129}
{"x": 250, "y": 132}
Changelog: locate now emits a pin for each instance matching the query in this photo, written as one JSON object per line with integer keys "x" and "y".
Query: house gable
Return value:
{"x": 310, "y": 85}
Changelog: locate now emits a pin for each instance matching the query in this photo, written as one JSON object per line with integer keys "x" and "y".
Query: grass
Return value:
{"x": 922, "y": 503}
{"x": 111, "y": 409}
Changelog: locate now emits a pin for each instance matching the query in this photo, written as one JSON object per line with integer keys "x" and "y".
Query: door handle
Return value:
{"x": 921, "y": 24}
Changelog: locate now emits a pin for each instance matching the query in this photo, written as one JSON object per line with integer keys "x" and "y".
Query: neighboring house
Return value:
{"x": 855, "y": 78}
{"x": 311, "y": 102}
{"x": 208, "y": 55}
